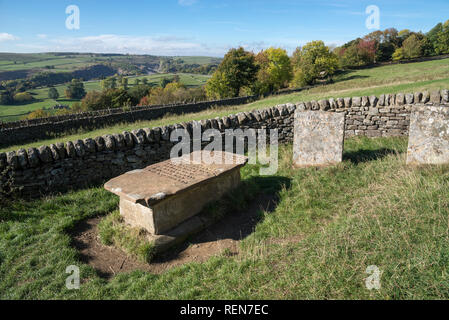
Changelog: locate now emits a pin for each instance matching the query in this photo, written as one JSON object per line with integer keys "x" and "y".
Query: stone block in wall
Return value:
{"x": 263, "y": 115}
{"x": 445, "y": 96}
{"x": 365, "y": 101}
{"x": 349, "y": 133}
{"x": 205, "y": 124}
{"x": 227, "y": 121}
{"x": 373, "y": 133}
{"x": 381, "y": 101}
{"x": 120, "y": 141}
{"x": 291, "y": 108}
{"x": 61, "y": 150}
{"x": 425, "y": 97}
{"x": 242, "y": 118}
{"x": 373, "y": 111}
{"x": 275, "y": 112}
{"x": 324, "y": 105}
{"x": 79, "y": 148}
{"x": 54, "y": 152}
{"x": 45, "y": 154}
{"x": 89, "y": 145}
{"x": 139, "y": 136}
{"x": 348, "y": 102}
{"x": 33, "y": 157}
{"x": 301, "y": 106}
{"x": 400, "y": 99}
{"x": 373, "y": 101}
{"x": 129, "y": 142}
{"x": 308, "y": 105}
{"x": 109, "y": 142}
{"x": 409, "y": 98}
{"x": 315, "y": 105}
{"x": 435, "y": 97}
{"x": 340, "y": 103}
{"x": 100, "y": 144}
{"x": 22, "y": 158}
{"x": 12, "y": 160}
{"x": 417, "y": 97}
{"x": 221, "y": 125}
{"x": 3, "y": 161}
{"x": 282, "y": 109}
{"x": 356, "y": 102}
{"x": 214, "y": 122}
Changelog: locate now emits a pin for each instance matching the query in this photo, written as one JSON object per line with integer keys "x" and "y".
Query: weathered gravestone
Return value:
{"x": 318, "y": 138}
{"x": 162, "y": 196}
{"x": 429, "y": 135}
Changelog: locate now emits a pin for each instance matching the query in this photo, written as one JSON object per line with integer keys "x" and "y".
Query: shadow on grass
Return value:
{"x": 368, "y": 155}
{"x": 239, "y": 219}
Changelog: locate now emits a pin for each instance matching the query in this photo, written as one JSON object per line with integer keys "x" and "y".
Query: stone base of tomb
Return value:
{"x": 180, "y": 233}
{"x": 162, "y": 217}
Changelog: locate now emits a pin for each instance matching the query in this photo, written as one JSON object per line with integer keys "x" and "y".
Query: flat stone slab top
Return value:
{"x": 161, "y": 196}
{"x": 318, "y": 138}
{"x": 429, "y": 135}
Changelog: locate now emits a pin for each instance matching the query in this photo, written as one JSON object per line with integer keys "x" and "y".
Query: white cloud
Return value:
{"x": 42, "y": 36}
{"x": 186, "y": 3}
{"x": 112, "y": 43}
{"x": 7, "y": 37}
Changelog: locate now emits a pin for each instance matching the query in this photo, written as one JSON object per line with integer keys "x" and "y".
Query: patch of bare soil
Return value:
{"x": 225, "y": 234}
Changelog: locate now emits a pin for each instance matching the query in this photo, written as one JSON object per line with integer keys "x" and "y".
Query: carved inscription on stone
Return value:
{"x": 318, "y": 138}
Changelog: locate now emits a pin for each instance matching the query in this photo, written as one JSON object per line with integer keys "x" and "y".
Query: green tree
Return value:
{"x": 124, "y": 83}
{"x": 53, "y": 93}
{"x": 218, "y": 87}
{"x": 433, "y": 34}
{"x": 398, "y": 54}
{"x": 75, "y": 90}
{"x": 313, "y": 61}
{"x": 237, "y": 71}
{"x": 275, "y": 70}
{"x": 109, "y": 83}
{"x": 23, "y": 97}
{"x": 442, "y": 44}
{"x": 163, "y": 82}
{"x": 413, "y": 46}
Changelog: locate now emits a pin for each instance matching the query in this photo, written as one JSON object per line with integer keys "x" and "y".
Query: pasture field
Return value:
{"x": 16, "y": 112}
{"x": 430, "y": 75}
{"x": 326, "y": 228}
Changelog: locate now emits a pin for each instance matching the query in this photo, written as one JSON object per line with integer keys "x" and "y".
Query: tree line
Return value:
{"x": 244, "y": 73}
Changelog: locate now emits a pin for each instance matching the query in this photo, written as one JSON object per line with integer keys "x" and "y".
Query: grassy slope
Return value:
{"x": 13, "y": 113}
{"x": 329, "y": 226}
{"x": 411, "y": 77}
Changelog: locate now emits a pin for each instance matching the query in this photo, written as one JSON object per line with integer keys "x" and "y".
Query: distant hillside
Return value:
{"x": 20, "y": 66}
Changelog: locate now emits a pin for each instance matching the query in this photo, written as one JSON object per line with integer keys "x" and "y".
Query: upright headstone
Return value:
{"x": 318, "y": 138}
{"x": 429, "y": 135}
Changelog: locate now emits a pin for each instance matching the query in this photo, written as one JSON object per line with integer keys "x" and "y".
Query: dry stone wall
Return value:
{"x": 71, "y": 165}
{"x": 37, "y": 129}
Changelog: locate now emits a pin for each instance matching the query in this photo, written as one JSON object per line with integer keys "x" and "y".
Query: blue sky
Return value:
{"x": 201, "y": 27}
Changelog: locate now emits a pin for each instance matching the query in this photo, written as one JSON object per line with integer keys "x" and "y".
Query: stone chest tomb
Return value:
{"x": 162, "y": 196}
{"x": 429, "y": 135}
{"x": 318, "y": 138}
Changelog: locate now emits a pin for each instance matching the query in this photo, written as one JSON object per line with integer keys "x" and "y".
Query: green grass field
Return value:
{"x": 431, "y": 75}
{"x": 329, "y": 225}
